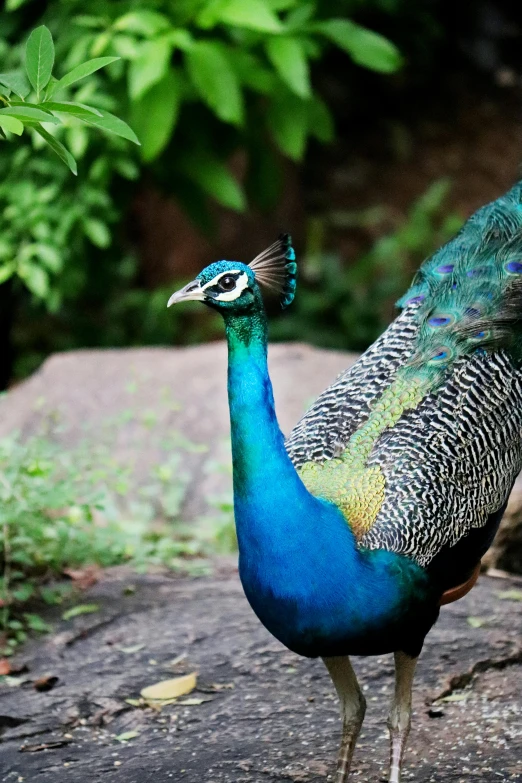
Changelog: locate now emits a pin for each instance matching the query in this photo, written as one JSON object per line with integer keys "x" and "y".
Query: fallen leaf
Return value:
{"x": 74, "y": 611}
{"x": 455, "y": 697}
{"x": 44, "y": 684}
{"x": 170, "y": 689}
{"x": 510, "y": 595}
{"x": 177, "y": 659}
{"x": 84, "y": 577}
{"x": 129, "y": 650}
{"x": 5, "y": 666}
{"x": 135, "y": 702}
{"x": 127, "y": 735}
{"x": 13, "y": 682}
{"x": 477, "y": 622}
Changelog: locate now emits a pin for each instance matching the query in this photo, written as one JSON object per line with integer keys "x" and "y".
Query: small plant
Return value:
{"x": 44, "y": 224}
{"x": 64, "y": 510}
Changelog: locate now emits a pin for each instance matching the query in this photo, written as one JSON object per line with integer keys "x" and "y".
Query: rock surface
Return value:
{"x": 147, "y": 402}
{"x": 260, "y": 713}
{"x": 134, "y": 400}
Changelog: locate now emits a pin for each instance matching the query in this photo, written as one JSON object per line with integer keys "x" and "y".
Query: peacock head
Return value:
{"x": 231, "y": 286}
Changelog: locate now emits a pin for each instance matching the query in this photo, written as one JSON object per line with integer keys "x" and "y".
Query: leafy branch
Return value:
{"x": 33, "y": 98}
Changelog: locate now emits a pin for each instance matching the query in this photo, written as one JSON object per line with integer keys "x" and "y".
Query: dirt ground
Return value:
{"x": 260, "y": 713}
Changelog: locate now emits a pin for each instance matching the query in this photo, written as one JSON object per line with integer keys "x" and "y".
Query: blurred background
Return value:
{"x": 369, "y": 129}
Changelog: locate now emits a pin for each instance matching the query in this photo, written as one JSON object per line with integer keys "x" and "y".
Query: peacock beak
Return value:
{"x": 192, "y": 291}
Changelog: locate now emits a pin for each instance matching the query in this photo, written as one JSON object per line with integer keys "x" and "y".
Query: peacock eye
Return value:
{"x": 227, "y": 283}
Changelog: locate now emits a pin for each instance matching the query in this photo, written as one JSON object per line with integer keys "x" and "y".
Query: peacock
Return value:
{"x": 381, "y": 503}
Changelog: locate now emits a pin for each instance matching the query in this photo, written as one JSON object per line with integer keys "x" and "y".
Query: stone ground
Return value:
{"x": 260, "y": 714}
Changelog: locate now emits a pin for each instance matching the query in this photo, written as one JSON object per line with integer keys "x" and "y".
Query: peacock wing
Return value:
{"x": 419, "y": 442}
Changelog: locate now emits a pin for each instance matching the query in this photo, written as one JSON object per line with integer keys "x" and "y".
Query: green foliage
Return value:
{"x": 197, "y": 80}
{"x": 61, "y": 509}
{"x": 213, "y": 75}
{"x": 347, "y": 306}
{"x": 24, "y": 108}
{"x": 45, "y": 221}
{"x": 49, "y": 222}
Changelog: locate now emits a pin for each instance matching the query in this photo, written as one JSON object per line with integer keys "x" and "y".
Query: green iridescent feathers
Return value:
{"x": 276, "y": 269}
{"x": 469, "y": 294}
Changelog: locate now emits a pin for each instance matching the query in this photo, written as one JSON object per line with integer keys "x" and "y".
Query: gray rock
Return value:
{"x": 148, "y": 403}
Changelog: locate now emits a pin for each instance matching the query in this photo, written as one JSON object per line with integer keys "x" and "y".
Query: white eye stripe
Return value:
{"x": 229, "y": 296}
{"x": 215, "y": 280}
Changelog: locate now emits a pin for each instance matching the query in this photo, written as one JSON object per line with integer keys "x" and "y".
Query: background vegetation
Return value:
{"x": 225, "y": 97}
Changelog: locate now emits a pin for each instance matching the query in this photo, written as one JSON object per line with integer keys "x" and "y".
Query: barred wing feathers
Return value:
{"x": 420, "y": 441}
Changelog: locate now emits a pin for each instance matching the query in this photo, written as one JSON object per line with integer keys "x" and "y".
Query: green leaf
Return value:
{"x": 216, "y": 81}
{"x": 155, "y": 115}
{"x": 251, "y": 72}
{"x": 35, "y": 623}
{"x": 47, "y": 254}
{"x": 79, "y": 110}
{"x": 510, "y": 595}
{"x": 320, "y": 121}
{"x": 289, "y": 59}
{"x": 13, "y": 5}
{"x": 81, "y": 71}
{"x": 7, "y": 271}
{"x": 23, "y": 592}
{"x": 75, "y": 611}
{"x": 111, "y": 124}
{"x": 215, "y": 179}
{"x": 282, "y": 5}
{"x": 39, "y": 57}
{"x": 254, "y": 15}
{"x": 300, "y": 16}
{"x": 57, "y": 147}
{"x": 127, "y": 735}
{"x": 29, "y": 113}
{"x": 180, "y": 38}
{"x": 477, "y": 622}
{"x": 144, "y": 22}
{"x": 11, "y": 124}
{"x": 17, "y": 82}
{"x": 149, "y": 67}
{"x": 288, "y": 121}
{"x": 365, "y": 47}
{"x": 97, "y": 232}
{"x": 35, "y": 278}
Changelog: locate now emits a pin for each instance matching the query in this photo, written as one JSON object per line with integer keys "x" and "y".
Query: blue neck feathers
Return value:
{"x": 299, "y": 563}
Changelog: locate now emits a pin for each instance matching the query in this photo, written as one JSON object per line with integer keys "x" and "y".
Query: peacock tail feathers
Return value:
{"x": 276, "y": 269}
{"x": 468, "y": 295}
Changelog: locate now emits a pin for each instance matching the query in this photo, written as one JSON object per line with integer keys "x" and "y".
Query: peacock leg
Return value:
{"x": 399, "y": 719}
{"x": 353, "y": 707}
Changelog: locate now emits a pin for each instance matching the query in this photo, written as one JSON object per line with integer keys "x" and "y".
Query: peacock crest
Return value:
{"x": 275, "y": 268}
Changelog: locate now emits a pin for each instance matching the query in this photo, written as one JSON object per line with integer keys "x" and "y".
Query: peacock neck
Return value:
{"x": 276, "y": 516}
{"x": 259, "y": 456}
